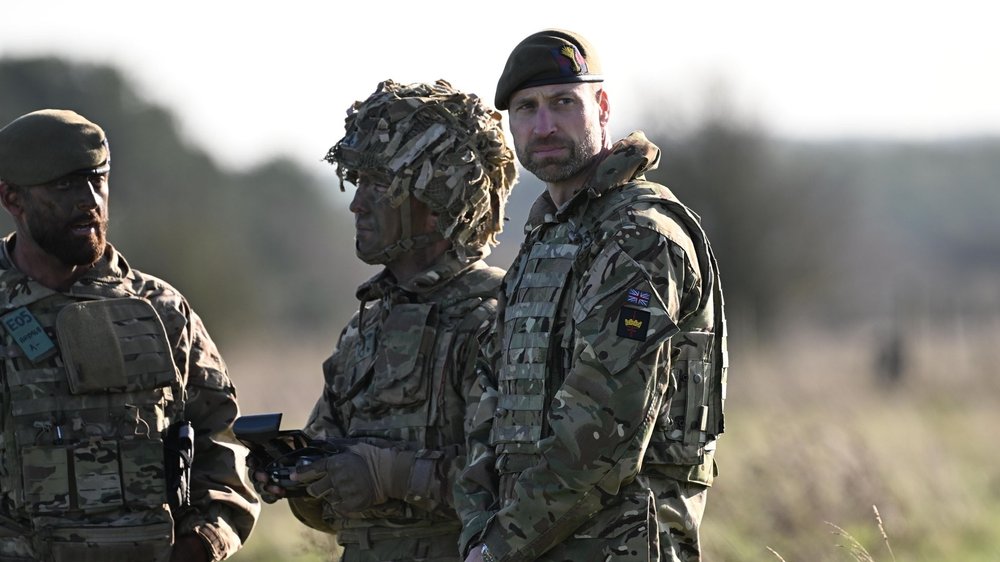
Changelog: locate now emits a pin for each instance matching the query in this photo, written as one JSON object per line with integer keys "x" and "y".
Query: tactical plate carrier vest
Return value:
{"x": 395, "y": 365}
{"x": 536, "y": 332}
{"x": 89, "y": 389}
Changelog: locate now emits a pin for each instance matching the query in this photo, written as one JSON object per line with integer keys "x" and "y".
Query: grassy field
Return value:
{"x": 813, "y": 442}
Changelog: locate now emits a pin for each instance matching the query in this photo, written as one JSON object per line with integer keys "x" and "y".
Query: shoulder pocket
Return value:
{"x": 619, "y": 313}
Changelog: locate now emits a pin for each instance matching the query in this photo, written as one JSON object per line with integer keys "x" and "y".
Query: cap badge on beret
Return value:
{"x": 552, "y": 56}
{"x": 570, "y": 61}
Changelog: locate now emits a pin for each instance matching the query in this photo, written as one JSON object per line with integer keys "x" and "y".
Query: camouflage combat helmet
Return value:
{"x": 443, "y": 147}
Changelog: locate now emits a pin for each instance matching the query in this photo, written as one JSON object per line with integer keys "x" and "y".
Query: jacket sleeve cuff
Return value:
{"x": 309, "y": 511}
{"x": 472, "y": 531}
{"x": 220, "y": 543}
{"x": 495, "y": 546}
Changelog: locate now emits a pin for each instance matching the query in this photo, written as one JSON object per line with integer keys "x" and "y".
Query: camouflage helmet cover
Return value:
{"x": 444, "y": 147}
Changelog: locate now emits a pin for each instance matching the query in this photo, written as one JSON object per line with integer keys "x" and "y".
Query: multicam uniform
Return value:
{"x": 82, "y": 452}
{"x": 399, "y": 377}
{"x": 599, "y": 417}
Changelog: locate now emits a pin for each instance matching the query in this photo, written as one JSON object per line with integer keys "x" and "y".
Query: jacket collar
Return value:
{"x": 627, "y": 160}
{"x": 428, "y": 281}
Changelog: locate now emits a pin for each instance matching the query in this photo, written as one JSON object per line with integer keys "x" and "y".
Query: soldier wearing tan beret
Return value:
{"x": 116, "y": 441}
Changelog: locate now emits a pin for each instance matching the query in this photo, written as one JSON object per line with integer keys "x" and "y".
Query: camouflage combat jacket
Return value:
{"x": 609, "y": 362}
{"x": 399, "y": 376}
{"x": 92, "y": 378}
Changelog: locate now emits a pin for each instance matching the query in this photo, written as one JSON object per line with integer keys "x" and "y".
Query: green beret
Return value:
{"x": 48, "y": 144}
{"x": 553, "y": 56}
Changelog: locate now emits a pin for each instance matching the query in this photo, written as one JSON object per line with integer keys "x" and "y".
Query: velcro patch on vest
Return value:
{"x": 633, "y": 323}
{"x": 114, "y": 345}
{"x": 91, "y": 349}
{"x": 24, "y": 328}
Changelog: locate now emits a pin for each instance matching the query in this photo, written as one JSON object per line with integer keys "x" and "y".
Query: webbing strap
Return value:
{"x": 521, "y": 402}
{"x": 72, "y": 402}
{"x": 530, "y": 310}
{"x": 517, "y": 434}
{"x": 553, "y": 278}
{"x": 553, "y": 251}
{"x": 528, "y": 340}
{"x": 367, "y": 536}
{"x": 523, "y": 371}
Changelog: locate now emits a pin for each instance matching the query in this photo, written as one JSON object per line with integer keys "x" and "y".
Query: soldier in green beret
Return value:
{"x": 115, "y": 436}
{"x": 596, "y": 431}
{"x": 432, "y": 173}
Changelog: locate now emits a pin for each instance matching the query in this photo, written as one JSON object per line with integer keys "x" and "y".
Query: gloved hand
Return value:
{"x": 267, "y": 490}
{"x": 359, "y": 478}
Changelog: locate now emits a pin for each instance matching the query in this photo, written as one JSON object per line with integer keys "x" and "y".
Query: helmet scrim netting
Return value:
{"x": 444, "y": 147}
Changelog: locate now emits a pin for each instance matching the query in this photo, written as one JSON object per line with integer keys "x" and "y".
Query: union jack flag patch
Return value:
{"x": 635, "y": 296}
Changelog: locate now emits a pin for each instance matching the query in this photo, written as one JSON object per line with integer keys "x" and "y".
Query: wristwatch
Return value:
{"x": 487, "y": 554}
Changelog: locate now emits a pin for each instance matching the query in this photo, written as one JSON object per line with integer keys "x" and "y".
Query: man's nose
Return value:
{"x": 91, "y": 195}
{"x": 358, "y": 202}
{"x": 544, "y": 124}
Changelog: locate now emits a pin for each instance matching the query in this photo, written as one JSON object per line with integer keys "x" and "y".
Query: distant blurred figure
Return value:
{"x": 433, "y": 173}
{"x": 597, "y": 428}
{"x": 890, "y": 358}
{"x": 117, "y": 415}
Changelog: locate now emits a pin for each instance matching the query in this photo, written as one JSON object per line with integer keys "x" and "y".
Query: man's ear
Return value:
{"x": 605, "y": 105}
{"x": 10, "y": 198}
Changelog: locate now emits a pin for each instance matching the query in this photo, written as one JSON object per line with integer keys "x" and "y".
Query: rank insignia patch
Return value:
{"x": 633, "y": 323}
{"x": 635, "y": 296}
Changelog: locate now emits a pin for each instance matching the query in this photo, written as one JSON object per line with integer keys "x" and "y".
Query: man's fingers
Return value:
{"x": 275, "y": 490}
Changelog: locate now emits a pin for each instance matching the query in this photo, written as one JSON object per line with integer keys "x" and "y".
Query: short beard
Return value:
{"x": 580, "y": 156}
{"x": 69, "y": 250}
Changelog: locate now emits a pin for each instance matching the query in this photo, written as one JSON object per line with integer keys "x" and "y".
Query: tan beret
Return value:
{"x": 47, "y": 144}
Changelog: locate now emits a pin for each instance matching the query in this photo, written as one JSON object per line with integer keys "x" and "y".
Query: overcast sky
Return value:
{"x": 249, "y": 80}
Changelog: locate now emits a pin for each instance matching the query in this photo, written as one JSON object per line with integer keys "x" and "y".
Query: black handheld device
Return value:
{"x": 277, "y": 452}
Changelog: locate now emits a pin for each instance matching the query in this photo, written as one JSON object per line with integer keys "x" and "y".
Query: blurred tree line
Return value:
{"x": 825, "y": 232}
{"x": 251, "y": 249}
{"x": 837, "y": 233}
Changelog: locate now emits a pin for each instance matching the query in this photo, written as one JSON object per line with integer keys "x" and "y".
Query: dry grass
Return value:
{"x": 811, "y": 438}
